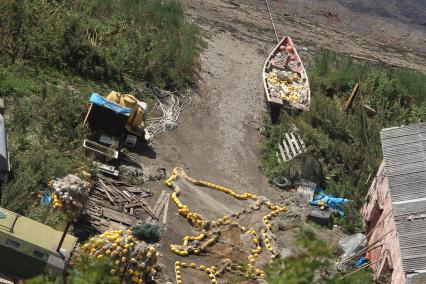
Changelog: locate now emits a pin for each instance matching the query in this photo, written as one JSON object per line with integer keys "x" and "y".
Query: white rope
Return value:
{"x": 272, "y": 21}
{"x": 170, "y": 105}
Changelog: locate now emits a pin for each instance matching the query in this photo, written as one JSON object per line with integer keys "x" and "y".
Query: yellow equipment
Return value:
{"x": 136, "y": 121}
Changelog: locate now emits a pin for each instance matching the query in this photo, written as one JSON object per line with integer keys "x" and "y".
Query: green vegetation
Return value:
{"x": 348, "y": 144}
{"x": 147, "y": 232}
{"x": 85, "y": 271}
{"x": 54, "y": 54}
{"x": 312, "y": 263}
{"x": 102, "y": 40}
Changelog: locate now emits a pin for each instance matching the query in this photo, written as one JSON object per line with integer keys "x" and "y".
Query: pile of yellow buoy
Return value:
{"x": 207, "y": 237}
{"x": 288, "y": 87}
{"x": 133, "y": 260}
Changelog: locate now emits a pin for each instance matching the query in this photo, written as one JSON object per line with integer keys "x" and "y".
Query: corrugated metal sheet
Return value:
{"x": 404, "y": 151}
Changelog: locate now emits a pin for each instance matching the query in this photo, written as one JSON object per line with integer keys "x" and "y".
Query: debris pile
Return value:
{"x": 70, "y": 195}
{"x": 113, "y": 201}
{"x": 134, "y": 260}
{"x": 211, "y": 230}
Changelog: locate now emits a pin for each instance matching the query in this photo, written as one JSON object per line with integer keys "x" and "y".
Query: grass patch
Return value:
{"x": 348, "y": 144}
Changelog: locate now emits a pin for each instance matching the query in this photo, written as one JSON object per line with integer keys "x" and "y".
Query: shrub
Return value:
{"x": 147, "y": 232}
{"x": 103, "y": 40}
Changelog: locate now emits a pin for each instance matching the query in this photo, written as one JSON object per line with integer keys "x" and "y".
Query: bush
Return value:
{"x": 103, "y": 40}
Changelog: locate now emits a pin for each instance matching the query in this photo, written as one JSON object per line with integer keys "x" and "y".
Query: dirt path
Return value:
{"x": 215, "y": 139}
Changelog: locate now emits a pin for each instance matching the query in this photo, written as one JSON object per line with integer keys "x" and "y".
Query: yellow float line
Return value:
{"x": 209, "y": 270}
{"x": 197, "y": 219}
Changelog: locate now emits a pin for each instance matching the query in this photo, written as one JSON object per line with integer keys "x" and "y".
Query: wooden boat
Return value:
{"x": 284, "y": 78}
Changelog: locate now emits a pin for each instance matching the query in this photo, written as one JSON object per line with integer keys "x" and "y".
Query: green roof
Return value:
{"x": 33, "y": 232}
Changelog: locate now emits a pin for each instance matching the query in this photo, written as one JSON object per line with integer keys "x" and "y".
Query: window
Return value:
{"x": 40, "y": 255}
{"x": 12, "y": 244}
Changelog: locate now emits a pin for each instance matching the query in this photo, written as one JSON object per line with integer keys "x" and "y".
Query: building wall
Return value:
{"x": 380, "y": 229}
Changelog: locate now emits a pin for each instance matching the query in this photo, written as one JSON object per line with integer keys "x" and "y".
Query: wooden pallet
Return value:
{"x": 290, "y": 147}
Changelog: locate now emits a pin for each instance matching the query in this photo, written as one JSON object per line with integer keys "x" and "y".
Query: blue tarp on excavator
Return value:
{"x": 101, "y": 101}
{"x": 322, "y": 199}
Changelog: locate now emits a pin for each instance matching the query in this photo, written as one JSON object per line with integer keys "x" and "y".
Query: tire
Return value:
{"x": 281, "y": 182}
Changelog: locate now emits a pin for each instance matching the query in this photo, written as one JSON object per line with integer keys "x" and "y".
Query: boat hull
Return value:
{"x": 275, "y": 101}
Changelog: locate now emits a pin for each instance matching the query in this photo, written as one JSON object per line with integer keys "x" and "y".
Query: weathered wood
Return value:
{"x": 291, "y": 145}
{"x": 295, "y": 142}
{"x": 160, "y": 206}
{"x": 160, "y": 198}
{"x": 166, "y": 208}
{"x": 107, "y": 194}
{"x": 147, "y": 208}
{"x": 351, "y": 97}
{"x": 286, "y": 148}
{"x": 118, "y": 216}
{"x": 157, "y": 204}
{"x": 282, "y": 152}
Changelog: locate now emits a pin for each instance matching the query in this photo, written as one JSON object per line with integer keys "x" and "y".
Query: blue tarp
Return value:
{"x": 360, "y": 262}
{"x": 101, "y": 101}
{"x": 46, "y": 198}
{"x": 328, "y": 200}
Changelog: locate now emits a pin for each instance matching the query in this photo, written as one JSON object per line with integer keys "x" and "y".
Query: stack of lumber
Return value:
{"x": 112, "y": 204}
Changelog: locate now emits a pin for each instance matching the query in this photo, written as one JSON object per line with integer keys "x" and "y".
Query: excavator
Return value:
{"x": 115, "y": 120}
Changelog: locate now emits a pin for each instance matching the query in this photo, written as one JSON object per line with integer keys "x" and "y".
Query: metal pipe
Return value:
{"x": 58, "y": 249}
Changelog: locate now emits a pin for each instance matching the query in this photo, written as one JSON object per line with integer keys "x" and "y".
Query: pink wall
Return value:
{"x": 378, "y": 210}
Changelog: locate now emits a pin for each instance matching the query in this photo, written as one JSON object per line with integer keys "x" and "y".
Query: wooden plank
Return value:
{"x": 280, "y": 148}
{"x": 147, "y": 208}
{"x": 157, "y": 212}
{"x": 163, "y": 193}
{"x": 291, "y": 145}
{"x": 166, "y": 208}
{"x": 351, "y": 97}
{"x": 295, "y": 142}
{"x": 282, "y": 152}
{"x": 118, "y": 216}
{"x": 107, "y": 194}
{"x": 301, "y": 142}
{"x": 286, "y": 149}
{"x": 160, "y": 198}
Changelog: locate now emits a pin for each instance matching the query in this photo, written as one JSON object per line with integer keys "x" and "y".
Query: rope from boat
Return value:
{"x": 272, "y": 21}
